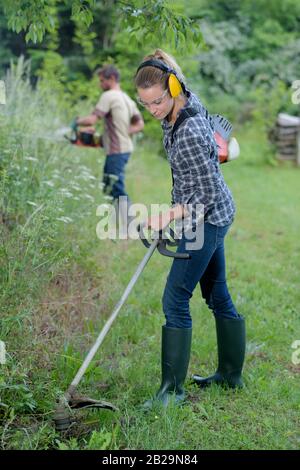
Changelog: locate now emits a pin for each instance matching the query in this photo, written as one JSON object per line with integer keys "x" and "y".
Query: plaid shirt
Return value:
{"x": 193, "y": 157}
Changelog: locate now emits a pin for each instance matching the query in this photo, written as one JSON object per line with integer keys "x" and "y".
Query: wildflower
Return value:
{"x": 49, "y": 183}
{"x": 64, "y": 219}
{"x": 76, "y": 187}
{"x": 89, "y": 197}
{"x": 65, "y": 192}
{"x": 31, "y": 203}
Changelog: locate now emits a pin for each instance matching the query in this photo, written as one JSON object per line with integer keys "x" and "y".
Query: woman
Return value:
{"x": 197, "y": 180}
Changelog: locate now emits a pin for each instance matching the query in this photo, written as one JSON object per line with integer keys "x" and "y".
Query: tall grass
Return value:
{"x": 46, "y": 191}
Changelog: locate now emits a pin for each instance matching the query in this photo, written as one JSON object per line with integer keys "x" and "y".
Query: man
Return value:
{"x": 122, "y": 120}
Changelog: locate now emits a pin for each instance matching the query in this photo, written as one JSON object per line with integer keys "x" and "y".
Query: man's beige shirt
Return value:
{"x": 118, "y": 111}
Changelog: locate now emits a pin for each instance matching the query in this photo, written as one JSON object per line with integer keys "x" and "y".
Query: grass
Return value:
{"x": 60, "y": 283}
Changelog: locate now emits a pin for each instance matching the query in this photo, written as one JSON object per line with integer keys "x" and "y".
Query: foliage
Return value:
{"x": 245, "y": 55}
{"x": 73, "y": 48}
{"x": 38, "y": 17}
{"x": 151, "y": 18}
{"x": 234, "y": 60}
{"x": 99, "y": 440}
{"x": 248, "y": 56}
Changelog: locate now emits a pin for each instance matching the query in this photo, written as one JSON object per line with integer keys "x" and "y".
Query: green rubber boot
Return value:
{"x": 231, "y": 340}
{"x": 175, "y": 357}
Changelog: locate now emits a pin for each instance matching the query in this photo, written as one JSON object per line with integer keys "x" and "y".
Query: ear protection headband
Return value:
{"x": 175, "y": 86}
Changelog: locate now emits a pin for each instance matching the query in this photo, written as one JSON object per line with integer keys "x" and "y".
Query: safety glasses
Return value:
{"x": 156, "y": 102}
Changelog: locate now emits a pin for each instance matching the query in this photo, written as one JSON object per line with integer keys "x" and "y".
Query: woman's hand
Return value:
{"x": 159, "y": 222}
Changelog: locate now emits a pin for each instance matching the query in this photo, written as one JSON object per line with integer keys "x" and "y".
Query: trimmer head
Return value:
{"x": 64, "y": 416}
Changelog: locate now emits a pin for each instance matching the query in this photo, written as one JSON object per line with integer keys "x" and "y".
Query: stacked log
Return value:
{"x": 286, "y": 136}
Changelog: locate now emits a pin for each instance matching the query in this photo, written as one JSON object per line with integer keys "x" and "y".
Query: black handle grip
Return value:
{"x": 163, "y": 251}
{"x": 162, "y": 242}
{"x": 142, "y": 236}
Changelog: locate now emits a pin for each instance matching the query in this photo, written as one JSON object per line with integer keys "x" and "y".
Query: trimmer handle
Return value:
{"x": 162, "y": 243}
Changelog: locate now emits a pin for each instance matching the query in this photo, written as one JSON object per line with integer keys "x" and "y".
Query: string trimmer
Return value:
{"x": 63, "y": 415}
{"x": 84, "y": 136}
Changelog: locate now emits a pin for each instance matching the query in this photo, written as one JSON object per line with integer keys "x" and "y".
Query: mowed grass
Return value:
{"x": 63, "y": 314}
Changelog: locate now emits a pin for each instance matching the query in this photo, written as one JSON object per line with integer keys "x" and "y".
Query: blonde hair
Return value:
{"x": 149, "y": 76}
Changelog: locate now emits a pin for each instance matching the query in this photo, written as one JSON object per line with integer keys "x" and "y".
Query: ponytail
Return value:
{"x": 149, "y": 76}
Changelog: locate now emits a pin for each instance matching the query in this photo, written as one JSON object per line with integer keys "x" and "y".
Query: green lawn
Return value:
{"x": 60, "y": 283}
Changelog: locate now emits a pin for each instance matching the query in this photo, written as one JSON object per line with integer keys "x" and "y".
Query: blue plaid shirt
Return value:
{"x": 193, "y": 157}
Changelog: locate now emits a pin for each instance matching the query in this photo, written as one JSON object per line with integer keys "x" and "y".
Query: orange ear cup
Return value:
{"x": 174, "y": 86}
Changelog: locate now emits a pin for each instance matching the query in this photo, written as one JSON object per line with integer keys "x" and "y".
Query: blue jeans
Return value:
{"x": 115, "y": 165}
{"x": 206, "y": 266}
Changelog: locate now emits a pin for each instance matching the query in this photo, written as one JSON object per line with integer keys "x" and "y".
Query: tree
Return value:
{"x": 144, "y": 19}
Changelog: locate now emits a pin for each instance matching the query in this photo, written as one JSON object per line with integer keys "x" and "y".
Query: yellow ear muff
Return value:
{"x": 175, "y": 87}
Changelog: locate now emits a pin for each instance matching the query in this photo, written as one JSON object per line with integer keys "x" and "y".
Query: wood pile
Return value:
{"x": 286, "y": 136}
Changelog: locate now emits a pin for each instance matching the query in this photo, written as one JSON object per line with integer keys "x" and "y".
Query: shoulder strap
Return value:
{"x": 185, "y": 113}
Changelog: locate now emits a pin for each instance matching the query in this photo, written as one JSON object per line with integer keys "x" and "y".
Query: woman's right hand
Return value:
{"x": 159, "y": 221}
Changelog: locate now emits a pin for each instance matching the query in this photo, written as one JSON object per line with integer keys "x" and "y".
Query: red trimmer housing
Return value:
{"x": 85, "y": 137}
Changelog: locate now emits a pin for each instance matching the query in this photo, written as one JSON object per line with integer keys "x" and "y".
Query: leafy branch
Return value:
{"x": 144, "y": 19}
